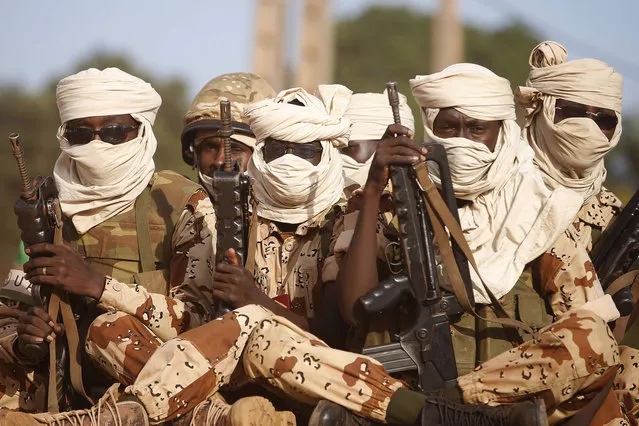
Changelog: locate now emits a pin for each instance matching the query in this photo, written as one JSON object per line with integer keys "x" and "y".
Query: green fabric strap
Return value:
{"x": 142, "y": 204}
{"x": 405, "y": 407}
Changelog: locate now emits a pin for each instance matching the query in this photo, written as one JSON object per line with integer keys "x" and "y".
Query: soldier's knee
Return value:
{"x": 589, "y": 338}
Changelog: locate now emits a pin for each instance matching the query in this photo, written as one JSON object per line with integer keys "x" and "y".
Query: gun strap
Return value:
{"x": 252, "y": 240}
{"x": 142, "y": 204}
{"x": 52, "y": 392}
{"x": 442, "y": 218}
{"x": 59, "y": 304}
{"x": 626, "y": 280}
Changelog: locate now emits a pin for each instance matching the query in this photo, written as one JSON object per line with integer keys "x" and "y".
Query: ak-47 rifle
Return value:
{"x": 39, "y": 219}
{"x": 426, "y": 346}
{"x": 617, "y": 252}
{"x": 230, "y": 200}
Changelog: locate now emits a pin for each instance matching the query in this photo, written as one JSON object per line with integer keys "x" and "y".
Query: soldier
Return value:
{"x": 109, "y": 194}
{"x": 202, "y": 148}
{"x": 471, "y": 112}
{"x": 272, "y": 349}
{"x": 573, "y": 119}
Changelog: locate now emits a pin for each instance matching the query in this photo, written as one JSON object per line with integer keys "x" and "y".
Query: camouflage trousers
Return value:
{"x": 250, "y": 343}
{"x": 569, "y": 363}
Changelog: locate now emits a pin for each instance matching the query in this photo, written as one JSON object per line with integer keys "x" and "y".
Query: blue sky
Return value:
{"x": 198, "y": 39}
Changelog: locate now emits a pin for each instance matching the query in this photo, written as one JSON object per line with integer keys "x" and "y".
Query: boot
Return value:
{"x": 440, "y": 411}
{"x": 328, "y": 413}
{"x": 249, "y": 411}
{"x": 107, "y": 412}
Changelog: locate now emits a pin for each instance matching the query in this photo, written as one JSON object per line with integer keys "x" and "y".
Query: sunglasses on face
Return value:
{"x": 605, "y": 120}
{"x": 113, "y": 134}
{"x": 275, "y": 149}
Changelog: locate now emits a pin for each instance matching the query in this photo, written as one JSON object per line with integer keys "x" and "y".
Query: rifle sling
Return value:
{"x": 442, "y": 218}
{"x": 143, "y": 232}
{"x": 626, "y": 280}
{"x": 59, "y": 304}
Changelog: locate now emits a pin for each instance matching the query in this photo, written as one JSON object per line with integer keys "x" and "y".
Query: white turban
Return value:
{"x": 290, "y": 189}
{"x": 569, "y": 153}
{"x": 98, "y": 180}
{"x": 370, "y": 114}
{"x": 513, "y": 217}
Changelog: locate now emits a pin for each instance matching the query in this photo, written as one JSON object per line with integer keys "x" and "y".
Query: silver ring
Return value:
{"x": 44, "y": 270}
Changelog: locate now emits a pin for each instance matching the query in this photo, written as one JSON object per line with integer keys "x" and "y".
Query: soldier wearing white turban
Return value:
{"x": 124, "y": 223}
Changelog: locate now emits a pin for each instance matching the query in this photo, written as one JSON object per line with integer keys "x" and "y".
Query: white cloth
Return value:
{"x": 370, "y": 114}
{"x": 513, "y": 218}
{"x": 569, "y": 153}
{"x": 290, "y": 189}
{"x": 98, "y": 180}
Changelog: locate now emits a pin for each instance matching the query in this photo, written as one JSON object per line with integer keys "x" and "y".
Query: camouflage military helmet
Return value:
{"x": 241, "y": 89}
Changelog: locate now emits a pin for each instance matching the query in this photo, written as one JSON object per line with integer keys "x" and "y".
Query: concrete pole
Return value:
{"x": 447, "y": 36}
{"x": 270, "y": 41}
{"x": 317, "y": 45}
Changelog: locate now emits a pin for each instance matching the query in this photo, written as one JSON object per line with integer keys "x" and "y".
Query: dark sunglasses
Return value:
{"x": 604, "y": 120}
{"x": 110, "y": 134}
{"x": 276, "y": 149}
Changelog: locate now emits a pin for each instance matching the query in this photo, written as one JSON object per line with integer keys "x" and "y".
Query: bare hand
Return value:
{"x": 62, "y": 267}
{"x": 34, "y": 327}
{"x": 395, "y": 149}
{"x": 234, "y": 284}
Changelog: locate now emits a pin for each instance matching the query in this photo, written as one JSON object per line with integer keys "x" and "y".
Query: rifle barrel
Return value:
{"x": 393, "y": 100}
{"x": 226, "y": 131}
{"x": 28, "y": 191}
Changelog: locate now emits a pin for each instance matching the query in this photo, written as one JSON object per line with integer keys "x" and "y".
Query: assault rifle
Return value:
{"x": 40, "y": 221}
{"x": 426, "y": 346}
{"x": 617, "y": 252}
{"x": 230, "y": 200}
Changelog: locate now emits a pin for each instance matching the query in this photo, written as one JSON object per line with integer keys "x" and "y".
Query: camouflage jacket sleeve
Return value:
{"x": 565, "y": 274}
{"x": 341, "y": 239}
{"x": 190, "y": 301}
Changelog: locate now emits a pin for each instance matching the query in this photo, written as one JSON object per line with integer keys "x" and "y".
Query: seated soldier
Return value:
{"x": 573, "y": 119}
{"x": 471, "y": 112}
{"x": 109, "y": 192}
{"x": 253, "y": 343}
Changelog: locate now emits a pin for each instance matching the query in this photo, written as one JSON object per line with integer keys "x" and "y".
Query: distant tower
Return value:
{"x": 317, "y": 45}
{"x": 447, "y": 36}
{"x": 270, "y": 32}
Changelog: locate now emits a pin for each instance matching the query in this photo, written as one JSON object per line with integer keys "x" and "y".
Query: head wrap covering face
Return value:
{"x": 290, "y": 189}
{"x": 569, "y": 153}
{"x": 513, "y": 217}
{"x": 370, "y": 114}
{"x": 481, "y": 94}
{"x": 98, "y": 180}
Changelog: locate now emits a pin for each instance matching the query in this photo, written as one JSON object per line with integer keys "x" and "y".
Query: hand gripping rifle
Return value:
{"x": 617, "y": 252}
{"x": 230, "y": 200}
{"x": 40, "y": 221}
{"x": 426, "y": 346}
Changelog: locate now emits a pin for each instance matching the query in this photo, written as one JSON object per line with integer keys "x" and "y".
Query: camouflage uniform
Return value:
{"x": 288, "y": 265}
{"x": 535, "y": 367}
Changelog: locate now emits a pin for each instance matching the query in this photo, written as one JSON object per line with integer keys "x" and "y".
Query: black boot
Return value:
{"x": 439, "y": 411}
{"x": 328, "y": 413}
